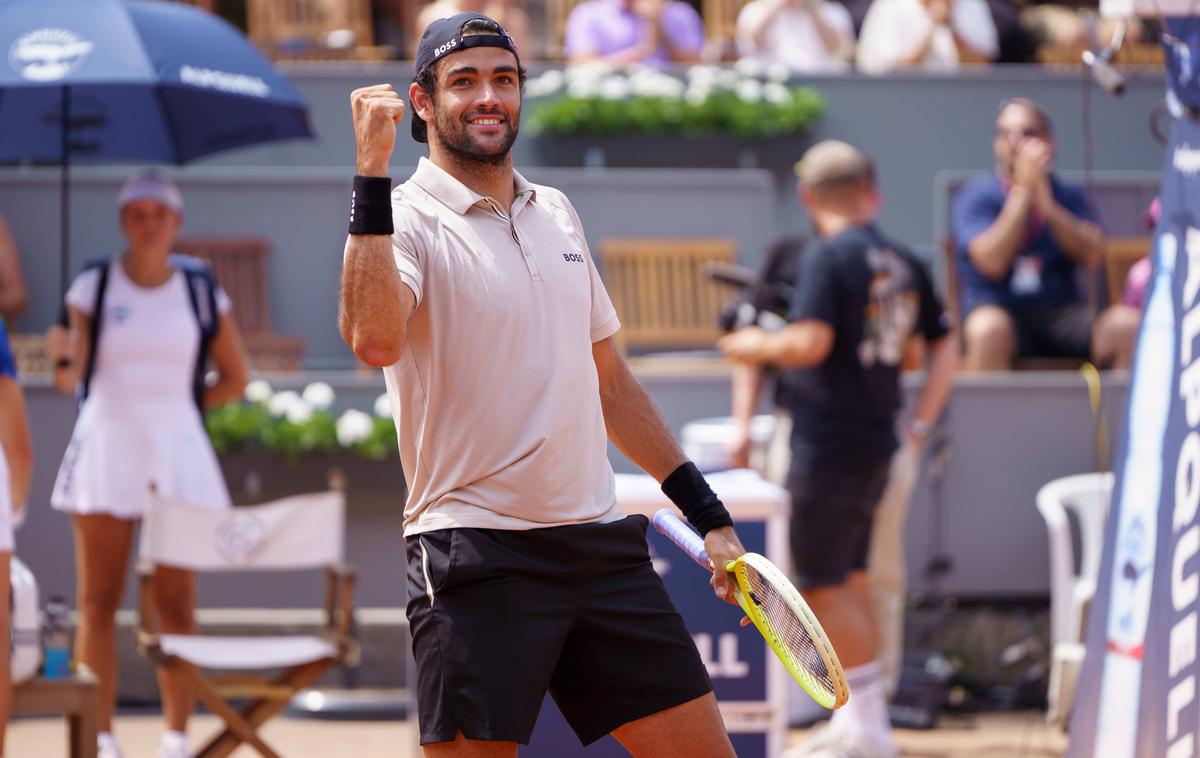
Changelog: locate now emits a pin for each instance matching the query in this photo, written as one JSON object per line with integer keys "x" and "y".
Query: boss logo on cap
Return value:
{"x": 448, "y": 46}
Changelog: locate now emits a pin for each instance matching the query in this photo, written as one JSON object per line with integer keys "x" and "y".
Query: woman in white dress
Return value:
{"x": 16, "y": 473}
{"x": 138, "y": 364}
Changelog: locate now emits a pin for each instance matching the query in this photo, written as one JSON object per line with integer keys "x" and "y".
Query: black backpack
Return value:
{"x": 202, "y": 292}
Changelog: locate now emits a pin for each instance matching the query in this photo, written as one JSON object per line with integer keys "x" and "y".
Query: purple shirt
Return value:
{"x": 604, "y": 27}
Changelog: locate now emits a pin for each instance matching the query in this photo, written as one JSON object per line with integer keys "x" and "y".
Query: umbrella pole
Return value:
{"x": 65, "y": 194}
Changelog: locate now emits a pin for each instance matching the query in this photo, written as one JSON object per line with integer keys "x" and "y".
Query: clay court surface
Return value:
{"x": 1010, "y": 735}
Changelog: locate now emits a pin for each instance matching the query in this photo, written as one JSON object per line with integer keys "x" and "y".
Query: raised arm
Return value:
{"x": 375, "y": 303}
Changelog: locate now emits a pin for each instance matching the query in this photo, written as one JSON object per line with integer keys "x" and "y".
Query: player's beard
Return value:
{"x": 454, "y": 135}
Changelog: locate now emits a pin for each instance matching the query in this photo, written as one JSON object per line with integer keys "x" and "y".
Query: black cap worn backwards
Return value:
{"x": 449, "y": 35}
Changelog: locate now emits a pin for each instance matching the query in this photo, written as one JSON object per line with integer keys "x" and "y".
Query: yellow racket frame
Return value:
{"x": 815, "y": 689}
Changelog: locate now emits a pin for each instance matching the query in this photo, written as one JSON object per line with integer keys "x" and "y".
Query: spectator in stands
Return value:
{"x": 934, "y": 35}
{"x": 143, "y": 325}
{"x": 1019, "y": 234}
{"x": 622, "y": 32}
{"x": 1137, "y": 281}
{"x": 808, "y": 36}
{"x": 13, "y": 294}
{"x": 508, "y": 13}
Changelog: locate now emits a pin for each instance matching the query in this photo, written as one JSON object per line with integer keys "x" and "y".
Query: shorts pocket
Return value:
{"x": 436, "y": 553}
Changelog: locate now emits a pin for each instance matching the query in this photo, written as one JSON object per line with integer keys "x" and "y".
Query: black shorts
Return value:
{"x": 498, "y": 617}
{"x": 832, "y": 513}
{"x": 1053, "y": 330}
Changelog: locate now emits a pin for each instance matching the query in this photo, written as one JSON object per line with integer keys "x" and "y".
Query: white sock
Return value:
{"x": 865, "y": 714}
{"x": 174, "y": 739}
{"x": 106, "y": 739}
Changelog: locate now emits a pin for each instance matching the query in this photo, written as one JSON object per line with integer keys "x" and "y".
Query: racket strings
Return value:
{"x": 790, "y": 629}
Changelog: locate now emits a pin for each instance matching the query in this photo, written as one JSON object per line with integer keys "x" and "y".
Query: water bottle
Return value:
{"x": 56, "y": 639}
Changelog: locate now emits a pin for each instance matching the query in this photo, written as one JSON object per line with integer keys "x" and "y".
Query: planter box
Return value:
{"x": 375, "y": 495}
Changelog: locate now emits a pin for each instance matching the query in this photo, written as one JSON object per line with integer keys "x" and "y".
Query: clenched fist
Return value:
{"x": 377, "y": 111}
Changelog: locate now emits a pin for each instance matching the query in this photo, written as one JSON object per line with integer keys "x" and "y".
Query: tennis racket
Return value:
{"x": 778, "y": 612}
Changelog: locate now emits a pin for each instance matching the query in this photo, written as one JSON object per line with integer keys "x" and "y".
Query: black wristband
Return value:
{"x": 62, "y": 363}
{"x": 371, "y": 205}
{"x": 700, "y": 505}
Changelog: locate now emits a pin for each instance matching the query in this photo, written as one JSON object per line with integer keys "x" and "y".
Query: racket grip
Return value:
{"x": 674, "y": 529}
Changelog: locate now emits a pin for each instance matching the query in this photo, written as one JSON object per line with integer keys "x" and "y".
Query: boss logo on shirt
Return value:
{"x": 119, "y": 313}
{"x": 572, "y": 257}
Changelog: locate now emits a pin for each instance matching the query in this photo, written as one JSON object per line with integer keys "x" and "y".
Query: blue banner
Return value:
{"x": 1137, "y": 693}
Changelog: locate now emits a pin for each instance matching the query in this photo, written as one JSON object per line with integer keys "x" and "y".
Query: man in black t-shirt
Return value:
{"x": 859, "y": 298}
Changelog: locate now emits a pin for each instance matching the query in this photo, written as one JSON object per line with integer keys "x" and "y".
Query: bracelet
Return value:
{"x": 62, "y": 363}
{"x": 371, "y": 205}
{"x": 692, "y": 495}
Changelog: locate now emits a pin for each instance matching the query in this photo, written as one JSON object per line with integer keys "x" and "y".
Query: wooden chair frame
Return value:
{"x": 267, "y": 695}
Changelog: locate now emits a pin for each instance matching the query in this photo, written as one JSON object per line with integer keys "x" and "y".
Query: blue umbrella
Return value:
{"x": 147, "y": 82}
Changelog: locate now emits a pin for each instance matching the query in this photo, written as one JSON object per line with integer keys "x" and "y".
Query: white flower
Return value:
{"x": 696, "y": 95}
{"x": 614, "y": 88}
{"x": 281, "y": 402}
{"x": 702, "y": 74}
{"x": 383, "y": 406}
{"x": 258, "y": 391}
{"x": 354, "y": 426}
{"x": 299, "y": 412}
{"x": 726, "y": 78}
{"x": 546, "y": 84}
{"x": 318, "y": 395}
{"x": 583, "y": 89}
{"x": 778, "y": 72}
{"x": 748, "y": 67}
{"x": 750, "y": 90}
{"x": 777, "y": 93}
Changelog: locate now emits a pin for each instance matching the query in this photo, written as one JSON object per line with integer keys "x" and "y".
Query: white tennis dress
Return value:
{"x": 139, "y": 423}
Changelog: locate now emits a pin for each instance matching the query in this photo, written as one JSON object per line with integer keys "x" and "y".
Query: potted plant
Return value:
{"x": 274, "y": 444}
{"x": 745, "y": 116}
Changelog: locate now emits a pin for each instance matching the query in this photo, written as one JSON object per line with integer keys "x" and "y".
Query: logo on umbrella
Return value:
{"x": 44, "y": 55}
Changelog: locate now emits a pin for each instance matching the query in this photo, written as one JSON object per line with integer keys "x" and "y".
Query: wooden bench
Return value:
{"x": 662, "y": 292}
{"x": 77, "y": 698}
{"x": 240, "y": 265}
{"x": 308, "y": 29}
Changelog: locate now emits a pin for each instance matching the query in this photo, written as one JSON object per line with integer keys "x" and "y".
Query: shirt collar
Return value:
{"x": 457, "y": 196}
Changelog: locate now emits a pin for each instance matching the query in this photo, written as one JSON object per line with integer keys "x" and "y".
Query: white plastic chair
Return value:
{"x": 294, "y": 533}
{"x": 1087, "y": 496}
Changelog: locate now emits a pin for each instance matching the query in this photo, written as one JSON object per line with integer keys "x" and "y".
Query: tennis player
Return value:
{"x": 475, "y": 291}
{"x": 859, "y": 298}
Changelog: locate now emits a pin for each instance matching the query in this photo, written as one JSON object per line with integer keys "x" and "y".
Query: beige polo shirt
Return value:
{"x": 496, "y": 397}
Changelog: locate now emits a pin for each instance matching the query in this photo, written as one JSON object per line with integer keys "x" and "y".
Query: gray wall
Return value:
{"x": 302, "y": 211}
{"x": 1007, "y": 434}
{"x": 925, "y": 132}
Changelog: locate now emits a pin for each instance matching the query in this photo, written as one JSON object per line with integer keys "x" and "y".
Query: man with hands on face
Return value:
{"x": 474, "y": 290}
{"x": 623, "y": 32}
{"x": 926, "y": 34}
{"x": 1020, "y": 234}
{"x": 859, "y": 298}
{"x": 807, "y": 36}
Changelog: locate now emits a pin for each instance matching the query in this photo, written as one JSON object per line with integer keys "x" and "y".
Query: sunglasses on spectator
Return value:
{"x": 1018, "y": 134}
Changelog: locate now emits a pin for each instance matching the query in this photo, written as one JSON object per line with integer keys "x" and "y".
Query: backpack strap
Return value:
{"x": 101, "y": 268}
{"x": 202, "y": 293}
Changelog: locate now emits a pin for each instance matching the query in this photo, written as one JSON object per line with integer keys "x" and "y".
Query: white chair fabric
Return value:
{"x": 247, "y": 653}
{"x": 1087, "y": 496}
{"x": 299, "y": 532}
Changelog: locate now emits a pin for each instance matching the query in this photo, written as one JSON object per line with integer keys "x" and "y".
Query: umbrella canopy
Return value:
{"x": 151, "y": 82}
